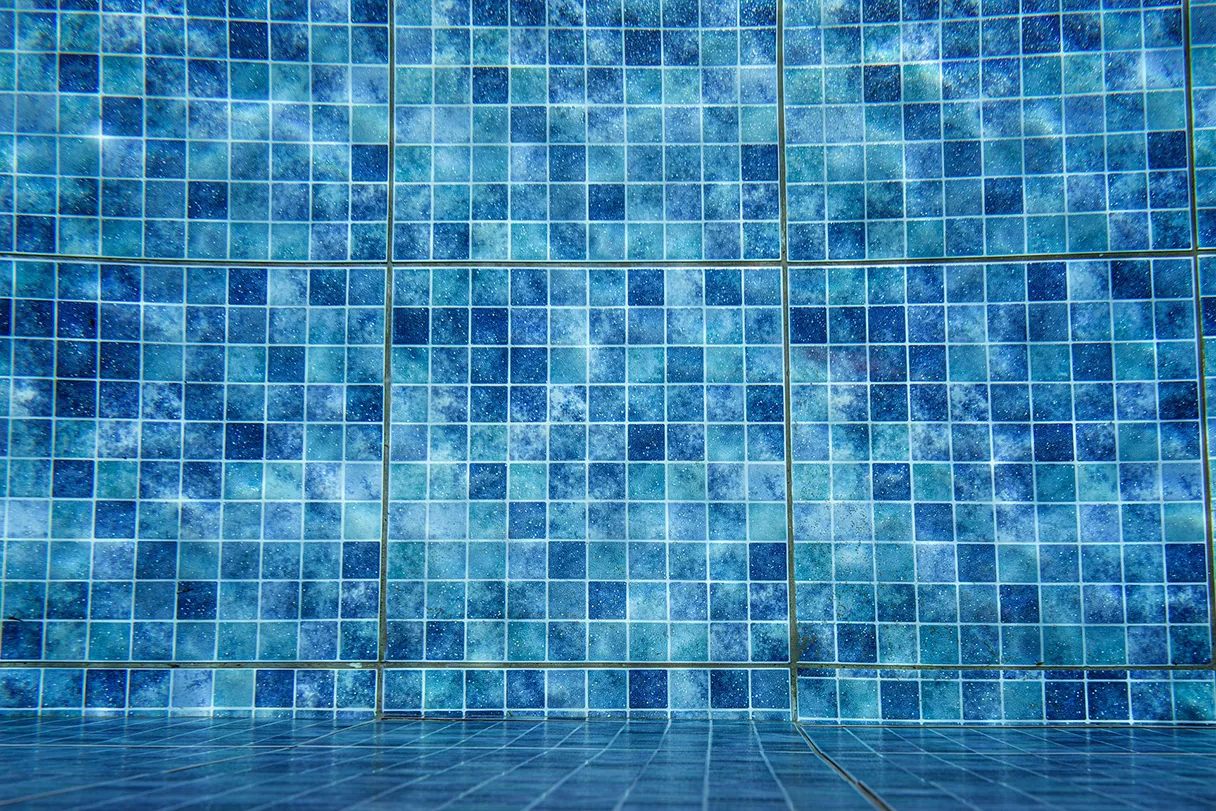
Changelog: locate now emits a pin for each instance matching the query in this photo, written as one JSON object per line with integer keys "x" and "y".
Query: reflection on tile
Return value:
{"x": 603, "y": 130}
{"x": 999, "y": 465}
{"x": 522, "y": 764}
{"x": 945, "y": 129}
{"x": 226, "y": 133}
{"x": 194, "y": 462}
{"x": 587, "y": 465}
{"x": 1030, "y": 768}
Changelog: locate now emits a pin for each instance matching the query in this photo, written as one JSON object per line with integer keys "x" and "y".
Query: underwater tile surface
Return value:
{"x": 587, "y": 465}
{"x": 599, "y": 764}
{"x": 1026, "y": 768}
{"x": 999, "y": 465}
{"x": 298, "y": 447}
{"x": 1203, "y": 106}
{"x": 225, "y": 131}
{"x": 597, "y": 130}
{"x": 238, "y": 692}
{"x": 193, "y": 462}
{"x": 723, "y": 693}
{"x": 832, "y": 696}
{"x": 928, "y": 129}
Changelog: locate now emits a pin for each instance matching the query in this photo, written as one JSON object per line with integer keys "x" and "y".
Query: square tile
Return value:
{"x": 228, "y": 132}
{"x": 978, "y": 129}
{"x": 999, "y": 465}
{"x": 587, "y": 465}
{"x": 1203, "y": 105}
{"x": 603, "y": 130}
{"x": 193, "y": 462}
{"x": 577, "y": 693}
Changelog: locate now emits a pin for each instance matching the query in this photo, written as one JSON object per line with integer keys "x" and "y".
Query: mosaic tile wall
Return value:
{"x": 842, "y": 361}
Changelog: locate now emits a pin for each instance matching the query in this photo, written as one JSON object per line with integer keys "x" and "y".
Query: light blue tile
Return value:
{"x": 194, "y": 463}
{"x": 937, "y": 130}
{"x": 594, "y": 131}
{"x": 724, "y": 693}
{"x": 143, "y": 131}
{"x": 999, "y": 465}
{"x": 587, "y": 465}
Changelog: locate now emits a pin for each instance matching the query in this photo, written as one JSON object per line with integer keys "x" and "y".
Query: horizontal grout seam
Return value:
{"x": 449, "y": 664}
{"x": 638, "y": 263}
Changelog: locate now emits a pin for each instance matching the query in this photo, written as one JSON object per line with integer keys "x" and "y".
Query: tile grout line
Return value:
{"x": 387, "y": 376}
{"x": 994, "y": 259}
{"x": 461, "y": 664}
{"x": 254, "y": 751}
{"x": 843, "y": 773}
{"x": 1200, "y": 338}
{"x": 791, "y": 580}
{"x": 385, "y": 452}
{"x": 1205, "y": 451}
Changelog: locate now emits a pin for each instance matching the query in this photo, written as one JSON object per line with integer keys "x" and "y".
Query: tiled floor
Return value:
{"x": 1028, "y": 768}
{"x": 221, "y": 764}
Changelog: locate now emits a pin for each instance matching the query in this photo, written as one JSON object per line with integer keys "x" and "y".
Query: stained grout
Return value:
{"x": 387, "y": 382}
{"x": 787, "y": 389}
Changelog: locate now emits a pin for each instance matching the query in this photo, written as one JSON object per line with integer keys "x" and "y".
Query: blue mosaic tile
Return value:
{"x": 193, "y": 462}
{"x": 227, "y": 132}
{"x": 1005, "y": 696}
{"x": 1203, "y": 105}
{"x": 999, "y": 465}
{"x": 575, "y": 692}
{"x": 597, "y": 130}
{"x": 584, "y": 509}
{"x": 587, "y": 465}
{"x": 62, "y": 763}
{"x": 968, "y": 129}
{"x": 235, "y": 692}
{"x": 997, "y": 767}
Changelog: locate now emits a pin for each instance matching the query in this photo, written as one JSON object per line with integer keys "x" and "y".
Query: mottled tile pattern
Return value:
{"x": 587, "y": 465}
{"x": 574, "y": 692}
{"x": 1005, "y": 696}
{"x": 999, "y": 464}
{"x": 235, "y": 691}
{"x": 462, "y": 358}
{"x": 930, "y": 129}
{"x": 1203, "y": 106}
{"x": 193, "y": 462}
{"x": 213, "y": 131}
{"x": 597, "y": 130}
